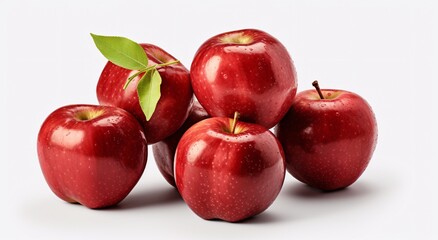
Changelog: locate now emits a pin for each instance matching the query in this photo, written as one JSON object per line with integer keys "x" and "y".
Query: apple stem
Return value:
{"x": 167, "y": 63}
{"x": 234, "y": 123}
{"x": 131, "y": 78}
{"x": 316, "y": 85}
{"x": 147, "y": 69}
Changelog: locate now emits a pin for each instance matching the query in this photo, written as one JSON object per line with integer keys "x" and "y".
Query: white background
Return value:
{"x": 385, "y": 51}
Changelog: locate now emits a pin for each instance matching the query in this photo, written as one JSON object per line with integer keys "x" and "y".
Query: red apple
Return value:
{"x": 328, "y": 142}
{"x": 248, "y": 71}
{"x": 228, "y": 171}
{"x": 93, "y": 155}
{"x": 164, "y": 151}
{"x": 176, "y": 94}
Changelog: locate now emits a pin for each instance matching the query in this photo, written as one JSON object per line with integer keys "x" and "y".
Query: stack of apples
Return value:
{"x": 210, "y": 128}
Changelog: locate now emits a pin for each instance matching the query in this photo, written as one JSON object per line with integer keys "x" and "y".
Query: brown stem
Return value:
{"x": 234, "y": 123}
{"x": 316, "y": 85}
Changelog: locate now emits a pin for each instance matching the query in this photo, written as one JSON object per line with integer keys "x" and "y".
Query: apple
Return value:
{"x": 248, "y": 71}
{"x": 176, "y": 93}
{"x": 92, "y": 155}
{"x": 164, "y": 151}
{"x": 329, "y": 137}
{"x": 228, "y": 170}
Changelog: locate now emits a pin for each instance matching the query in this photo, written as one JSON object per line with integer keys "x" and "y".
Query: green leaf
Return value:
{"x": 148, "y": 90}
{"x": 121, "y": 51}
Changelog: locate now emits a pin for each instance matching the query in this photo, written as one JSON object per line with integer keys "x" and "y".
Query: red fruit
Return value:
{"x": 228, "y": 174}
{"x": 248, "y": 71}
{"x": 176, "y": 94}
{"x": 328, "y": 142}
{"x": 93, "y": 155}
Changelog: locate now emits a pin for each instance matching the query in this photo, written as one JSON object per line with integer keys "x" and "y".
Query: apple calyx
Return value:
{"x": 128, "y": 54}
{"x": 237, "y": 38}
{"x": 316, "y": 85}
{"x": 87, "y": 114}
{"x": 234, "y": 123}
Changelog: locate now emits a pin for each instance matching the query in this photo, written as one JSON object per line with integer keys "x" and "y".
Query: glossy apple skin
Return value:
{"x": 164, "y": 151}
{"x": 93, "y": 162}
{"x": 257, "y": 79}
{"x": 176, "y": 94}
{"x": 228, "y": 176}
{"x": 328, "y": 143}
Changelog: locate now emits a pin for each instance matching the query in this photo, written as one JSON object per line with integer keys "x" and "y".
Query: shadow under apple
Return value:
{"x": 149, "y": 197}
{"x": 304, "y": 191}
{"x": 307, "y": 202}
{"x": 262, "y": 218}
{"x": 265, "y": 217}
